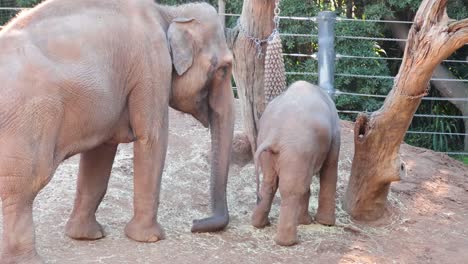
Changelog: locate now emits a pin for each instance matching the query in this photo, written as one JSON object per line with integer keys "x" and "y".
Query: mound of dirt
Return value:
{"x": 427, "y": 223}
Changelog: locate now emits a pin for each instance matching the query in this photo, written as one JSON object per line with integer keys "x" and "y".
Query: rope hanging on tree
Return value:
{"x": 275, "y": 75}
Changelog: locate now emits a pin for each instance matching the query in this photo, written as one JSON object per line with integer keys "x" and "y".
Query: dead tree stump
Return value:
{"x": 377, "y": 137}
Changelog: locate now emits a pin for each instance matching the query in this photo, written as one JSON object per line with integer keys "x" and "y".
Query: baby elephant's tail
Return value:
{"x": 263, "y": 147}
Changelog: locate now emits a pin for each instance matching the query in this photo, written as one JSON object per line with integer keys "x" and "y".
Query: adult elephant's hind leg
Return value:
{"x": 18, "y": 229}
{"x": 21, "y": 179}
{"x": 93, "y": 177}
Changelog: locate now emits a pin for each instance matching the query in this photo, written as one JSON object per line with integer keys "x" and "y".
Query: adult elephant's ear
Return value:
{"x": 181, "y": 42}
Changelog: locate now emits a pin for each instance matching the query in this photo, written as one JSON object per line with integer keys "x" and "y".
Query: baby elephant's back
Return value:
{"x": 316, "y": 102}
{"x": 305, "y": 103}
{"x": 303, "y": 115}
{"x": 311, "y": 122}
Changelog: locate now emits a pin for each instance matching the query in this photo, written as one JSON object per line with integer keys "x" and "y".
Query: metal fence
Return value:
{"x": 327, "y": 58}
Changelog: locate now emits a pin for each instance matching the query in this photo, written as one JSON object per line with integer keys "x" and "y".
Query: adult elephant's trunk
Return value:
{"x": 221, "y": 101}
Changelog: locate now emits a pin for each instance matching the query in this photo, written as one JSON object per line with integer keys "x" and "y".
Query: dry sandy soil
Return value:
{"x": 428, "y": 223}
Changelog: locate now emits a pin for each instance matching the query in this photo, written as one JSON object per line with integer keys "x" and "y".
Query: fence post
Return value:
{"x": 222, "y": 11}
{"x": 326, "y": 51}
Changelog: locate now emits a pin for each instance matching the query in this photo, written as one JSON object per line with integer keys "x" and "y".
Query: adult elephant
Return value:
{"x": 84, "y": 76}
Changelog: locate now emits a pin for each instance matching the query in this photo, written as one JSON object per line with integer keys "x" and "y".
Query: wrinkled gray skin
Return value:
{"x": 84, "y": 76}
{"x": 299, "y": 137}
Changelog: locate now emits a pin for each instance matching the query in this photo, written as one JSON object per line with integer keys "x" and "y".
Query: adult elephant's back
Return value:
{"x": 86, "y": 55}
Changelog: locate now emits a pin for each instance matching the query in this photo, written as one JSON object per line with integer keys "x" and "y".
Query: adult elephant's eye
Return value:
{"x": 222, "y": 72}
{"x": 204, "y": 93}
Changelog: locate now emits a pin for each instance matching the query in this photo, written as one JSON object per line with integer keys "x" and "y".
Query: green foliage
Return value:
{"x": 377, "y": 10}
{"x": 405, "y": 10}
{"x": 444, "y": 143}
{"x": 356, "y": 66}
{"x": 411, "y": 5}
{"x": 365, "y": 9}
{"x": 301, "y": 9}
{"x": 461, "y": 158}
{"x": 397, "y": 9}
{"x": 27, "y": 3}
{"x": 457, "y": 9}
{"x": 373, "y": 9}
{"x": 302, "y": 45}
{"x": 7, "y": 15}
{"x": 437, "y": 142}
{"x": 309, "y": 45}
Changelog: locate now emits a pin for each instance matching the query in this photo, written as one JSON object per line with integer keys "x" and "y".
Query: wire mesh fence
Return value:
{"x": 344, "y": 91}
{"x": 10, "y": 8}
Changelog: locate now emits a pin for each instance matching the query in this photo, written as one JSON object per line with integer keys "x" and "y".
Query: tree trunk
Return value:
{"x": 447, "y": 89}
{"x": 256, "y": 21}
{"x": 338, "y": 5}
{"x": 326, "y": 4}
{"x": 377, "y": 137}
{"x": 359, "y": 8}
{"x": 349, "y": 8}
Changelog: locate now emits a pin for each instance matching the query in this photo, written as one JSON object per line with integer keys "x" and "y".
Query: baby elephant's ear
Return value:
{"x": 182, "y": 44}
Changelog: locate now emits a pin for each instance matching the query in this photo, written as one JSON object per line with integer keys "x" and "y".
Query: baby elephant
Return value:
{"x": 299, "y": 137}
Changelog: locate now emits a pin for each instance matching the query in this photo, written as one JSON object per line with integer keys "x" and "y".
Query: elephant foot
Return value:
{"x": 210, "y": 224}
{"x": 305, "y": 219}
{"x": 29, "y": 258}
{"x": 259, "y": 220}
{"x": 144, "y": 231}
{"x": 286, "y": 238}
{"x": 325, "y": 219}
{"x": 84, "y": 228}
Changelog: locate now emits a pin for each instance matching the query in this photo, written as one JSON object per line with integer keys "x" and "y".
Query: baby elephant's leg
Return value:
{"x": 328, "y": 177}
{"x": 293, "y": 190}
{"x": 267, "y": 191}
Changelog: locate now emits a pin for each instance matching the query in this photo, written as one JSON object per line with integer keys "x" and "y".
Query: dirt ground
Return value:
{"x": 428, "y": 221}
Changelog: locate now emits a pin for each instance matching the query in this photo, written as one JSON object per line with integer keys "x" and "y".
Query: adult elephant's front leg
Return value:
{"x": 149, "y": 157}
{"x": 150, "y": 125}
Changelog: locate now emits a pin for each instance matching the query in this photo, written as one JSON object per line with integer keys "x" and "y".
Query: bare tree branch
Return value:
{"x": 377, "y": 138}
{"x": 432, "y": 11}
{"x": 458, "y": 25}
{"x": 459, "y": 31}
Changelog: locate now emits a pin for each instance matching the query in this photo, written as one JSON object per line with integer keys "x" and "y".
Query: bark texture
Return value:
{"x": 256, "y": 21}
{"x": 447, "y": 89}
{"x": 377, "y": 137}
